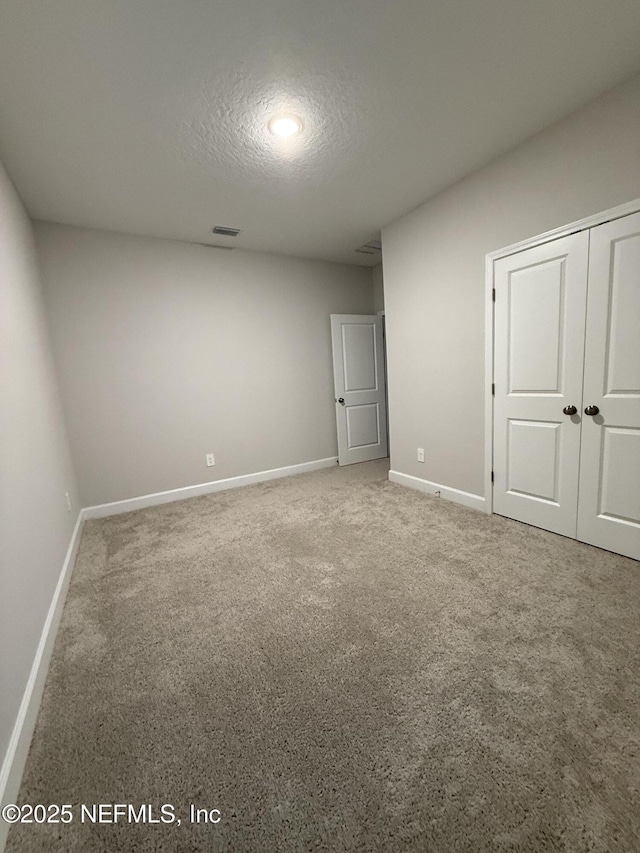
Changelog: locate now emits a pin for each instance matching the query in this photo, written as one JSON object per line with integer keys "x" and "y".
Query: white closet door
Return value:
{"x": 539, "y": 346}
{"x": 609, "y": 506}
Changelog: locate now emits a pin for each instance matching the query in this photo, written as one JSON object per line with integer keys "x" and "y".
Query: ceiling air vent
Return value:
{"x": 226, "y": 231}
{"x": 370, "y": 248}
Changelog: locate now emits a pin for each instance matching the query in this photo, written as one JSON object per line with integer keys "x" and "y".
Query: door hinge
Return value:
{"x": 493, "y": 389}
{"x": 493, "y": 294}
{"x": 492, "y": 476}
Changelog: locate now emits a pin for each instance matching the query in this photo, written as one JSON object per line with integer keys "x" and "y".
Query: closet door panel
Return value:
{"x": 539, "y": 344}
{"x": 609, "y": 499}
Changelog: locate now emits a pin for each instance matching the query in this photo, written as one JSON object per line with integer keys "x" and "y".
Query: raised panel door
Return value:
{"x": 539, "y": 341}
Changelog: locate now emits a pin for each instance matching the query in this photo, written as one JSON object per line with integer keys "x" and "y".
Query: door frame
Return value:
{"x": 489, "y": 321}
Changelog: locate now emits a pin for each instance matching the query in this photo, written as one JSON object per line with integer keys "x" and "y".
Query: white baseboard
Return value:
{"x": 131, "y": 504}
{"x": 18, "y": 748}
{"x": 456, "y": 495}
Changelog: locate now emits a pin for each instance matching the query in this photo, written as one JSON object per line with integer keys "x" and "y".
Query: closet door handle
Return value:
{"x": 591, "y": 410}
{"x": 570, "y": 410}
{"x": 341, "y": 401}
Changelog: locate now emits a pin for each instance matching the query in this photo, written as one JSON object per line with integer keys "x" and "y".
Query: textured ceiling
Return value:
{"x": 149, "y": 116}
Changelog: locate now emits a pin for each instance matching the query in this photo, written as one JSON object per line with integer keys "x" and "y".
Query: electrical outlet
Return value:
{"x": 210, "y": 459}
{"x": 421, "y": 454}
{"x": 68, "y": 497}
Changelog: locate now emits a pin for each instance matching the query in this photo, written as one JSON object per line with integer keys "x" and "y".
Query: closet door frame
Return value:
{"x": 491, "y": 258}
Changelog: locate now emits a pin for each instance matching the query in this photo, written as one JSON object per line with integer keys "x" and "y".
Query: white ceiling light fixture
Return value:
{"x": 285, "y": 126}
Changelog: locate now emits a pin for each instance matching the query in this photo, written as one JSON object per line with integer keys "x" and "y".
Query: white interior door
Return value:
{"x": 609, "y": 505}
{"x": 359, "y": 380}
{"x": 539, "y": 346}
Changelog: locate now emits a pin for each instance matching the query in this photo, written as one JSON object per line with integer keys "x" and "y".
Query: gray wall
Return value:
{"x": 35, "y": 464}
{"x": 168, "y": 350}
{"x": 434, "y": 267}
{"x": 378, "y": 288}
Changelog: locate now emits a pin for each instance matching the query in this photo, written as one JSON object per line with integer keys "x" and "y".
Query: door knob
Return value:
{"x": 341, "y": 400}
{"x": 570, "y": 410}
{"x": 591, "y": 410}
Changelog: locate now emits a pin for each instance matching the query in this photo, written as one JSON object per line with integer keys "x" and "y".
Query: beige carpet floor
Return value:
{"x": 336, "y": 663}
